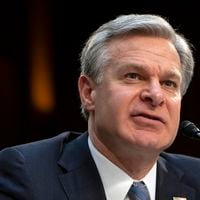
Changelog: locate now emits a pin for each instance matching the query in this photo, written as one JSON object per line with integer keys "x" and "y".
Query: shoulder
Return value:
{"x": 189, "y": 165}
{"x": 181, "y": 159}
{"x": 45, "y": 148}
{"x": 24, "y": 168}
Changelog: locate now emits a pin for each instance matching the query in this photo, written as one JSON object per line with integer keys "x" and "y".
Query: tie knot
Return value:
{"x": 138, "y": 191}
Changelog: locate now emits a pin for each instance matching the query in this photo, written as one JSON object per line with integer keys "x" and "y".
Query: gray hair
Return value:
{"x": 94, "y": 56}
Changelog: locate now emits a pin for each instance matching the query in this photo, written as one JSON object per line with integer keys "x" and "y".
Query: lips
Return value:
{"x": 150, "y": 116}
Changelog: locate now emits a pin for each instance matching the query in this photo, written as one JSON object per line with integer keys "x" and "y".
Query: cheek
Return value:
{"x": 174, "y": 110}
{"x": 119, "y": 99}
{"x": 175, "y": 107}
{"x": 113, "y": 102}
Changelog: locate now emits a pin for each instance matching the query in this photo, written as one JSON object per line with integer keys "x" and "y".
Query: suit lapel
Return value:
{"x": 81, "y": 179}
{"x": 170, "y": 184}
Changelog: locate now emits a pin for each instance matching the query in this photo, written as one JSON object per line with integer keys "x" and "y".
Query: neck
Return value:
{"x": 135, "y": 163}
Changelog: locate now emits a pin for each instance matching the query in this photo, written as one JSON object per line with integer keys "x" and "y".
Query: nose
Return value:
{"x": 153, "y": 94}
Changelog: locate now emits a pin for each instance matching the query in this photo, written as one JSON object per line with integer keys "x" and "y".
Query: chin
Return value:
{"x": 156, "y": 146}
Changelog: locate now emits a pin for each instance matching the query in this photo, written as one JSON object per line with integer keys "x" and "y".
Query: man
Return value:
{"x": 135, "y": 71}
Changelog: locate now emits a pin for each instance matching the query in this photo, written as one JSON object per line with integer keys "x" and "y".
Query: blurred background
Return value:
{"x": 40, "y": 43}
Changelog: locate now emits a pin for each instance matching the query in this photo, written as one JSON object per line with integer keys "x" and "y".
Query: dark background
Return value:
{"x": 40, "y": 42}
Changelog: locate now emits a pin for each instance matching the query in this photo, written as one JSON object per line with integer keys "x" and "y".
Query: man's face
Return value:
{"x": 137, "y": 105}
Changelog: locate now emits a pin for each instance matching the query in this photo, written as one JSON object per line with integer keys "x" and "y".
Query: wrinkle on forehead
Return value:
{"x": 133, "y": 46}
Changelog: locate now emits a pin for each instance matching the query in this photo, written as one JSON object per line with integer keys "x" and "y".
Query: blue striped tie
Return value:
{"x": 138, "y": 191}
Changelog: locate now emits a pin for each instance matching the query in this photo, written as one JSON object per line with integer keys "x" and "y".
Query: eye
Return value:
{"x": 133, "y": 75}
{"x": 169, "y": 84}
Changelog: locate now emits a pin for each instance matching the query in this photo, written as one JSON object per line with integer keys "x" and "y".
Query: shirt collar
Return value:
{"x": 115, "y": 181}
{"x": 150, "y": 181}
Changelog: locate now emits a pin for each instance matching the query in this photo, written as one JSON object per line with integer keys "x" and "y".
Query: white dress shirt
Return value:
{"x": 115, "y": 181}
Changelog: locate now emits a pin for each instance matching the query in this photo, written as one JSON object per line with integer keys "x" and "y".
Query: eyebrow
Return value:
{"x": 138, "y": 67}
{"x": 172, "y": 73}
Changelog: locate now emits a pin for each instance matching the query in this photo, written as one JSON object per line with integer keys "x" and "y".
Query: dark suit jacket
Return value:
{"x": 61, "y": 168}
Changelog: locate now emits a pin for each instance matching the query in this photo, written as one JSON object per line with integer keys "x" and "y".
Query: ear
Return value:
{"x": 86, "y": 88}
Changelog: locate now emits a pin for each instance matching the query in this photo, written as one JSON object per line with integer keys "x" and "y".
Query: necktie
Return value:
{"x": 138, "y": 191}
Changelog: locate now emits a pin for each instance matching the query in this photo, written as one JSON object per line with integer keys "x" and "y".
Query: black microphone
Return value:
{"x": 189, "y": 129}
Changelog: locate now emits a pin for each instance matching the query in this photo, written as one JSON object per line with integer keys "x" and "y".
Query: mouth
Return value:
{"x": 150, "y": 117}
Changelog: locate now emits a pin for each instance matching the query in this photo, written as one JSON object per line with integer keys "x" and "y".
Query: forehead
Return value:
{"x": 147, "y": 44}
{"x": 144, "y": 50}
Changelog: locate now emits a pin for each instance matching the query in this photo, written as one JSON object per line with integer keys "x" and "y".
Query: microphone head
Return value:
{"x": 190, "y": 130}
